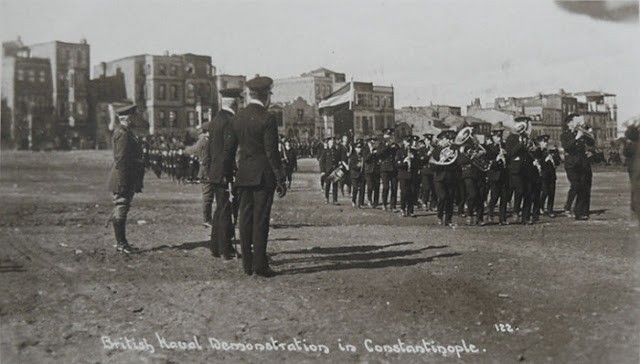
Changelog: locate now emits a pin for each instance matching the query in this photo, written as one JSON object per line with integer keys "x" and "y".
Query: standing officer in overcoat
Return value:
{"x": 126, "y": 176}
{"x": 254, "y": 134}
{"x": 222, "y": 226}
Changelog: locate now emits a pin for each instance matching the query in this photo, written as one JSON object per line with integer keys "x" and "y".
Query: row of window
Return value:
{"x": 377, "y": 101}
{"x": 371, "y": 124}
{"x": 79, "y": 56}
{"x": 38, "y": 101}
{"x": 172, "y": 69}
{"x": 31, "y": 75}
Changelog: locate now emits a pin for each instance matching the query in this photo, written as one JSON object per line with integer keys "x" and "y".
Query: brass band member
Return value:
{"x": 126, "y": 176}
{"x": 427, "y": 190}
{"x": 551, "y": 159}
{"x": 575, "y": 141}
{"x": 519, "y": 161}
{"x": 356, "y": 172}
{"x": 498, "y": 175}
{"x": 472, "y": 176}
{"x": 405, "y": 161}
{"x": 443, "y": 161}
{"x": 332, "y": 160}
{"x": 372, "y": 172}
{"x": 388, "y": 172}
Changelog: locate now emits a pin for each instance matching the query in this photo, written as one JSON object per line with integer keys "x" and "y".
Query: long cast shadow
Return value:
{"x": 184, "y": 246}
{"x": 367, "y": 265}
{"x": 356, "y": 256}
{"x": 347, "y": 249}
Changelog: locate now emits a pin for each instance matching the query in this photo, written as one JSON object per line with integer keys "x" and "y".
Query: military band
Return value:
{"x": 241, "y": 162}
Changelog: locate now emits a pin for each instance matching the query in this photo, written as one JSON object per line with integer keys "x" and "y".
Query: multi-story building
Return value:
{"x": 175, "y": 93}
{"x": 27, "y": 98}
{"x": 297, "y": 119}
{"x": 360, "y": 108}
{"x": 309, "y": 88}
{"x": 601, "y": 113}
{"x": 70, "y": 63}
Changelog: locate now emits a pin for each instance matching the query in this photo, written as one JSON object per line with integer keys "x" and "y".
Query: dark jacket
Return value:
{"x": 518, "y": 157}
{"x": 215, "y": 162}
{"x": 498, "y": 169}
{"x": 127, "y": 173}
{"x": 370, "y": 160}
{"x": 331, "y": 159}
{"x": 387, "y": 154}
{"x": 575, "y": 155}
{"x": 289, "y": 159}
{"x": 254, "y": 131}
{"x": 403, "y": 168}
{"x": 356, "y": 165}
{"x": 424, "y": 155}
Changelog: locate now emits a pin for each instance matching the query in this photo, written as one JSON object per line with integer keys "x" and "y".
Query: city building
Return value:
{"x": 308, "y": 89}
{"x": 360, "y": 108}
{"x": 548, "y": 112}
{"x": 174, "y": 93}
{"x": 27, "y": 100}
{"x": 70, "y": 65}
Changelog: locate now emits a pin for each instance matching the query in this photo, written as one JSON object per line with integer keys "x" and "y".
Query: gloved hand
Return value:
{"x": 281, "y": 188}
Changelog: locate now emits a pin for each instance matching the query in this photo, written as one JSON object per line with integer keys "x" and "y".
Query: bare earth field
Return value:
{"x": 563, "y": 291}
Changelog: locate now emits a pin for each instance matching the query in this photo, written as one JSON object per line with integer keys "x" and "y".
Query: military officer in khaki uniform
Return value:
{"x": 126, "y": 176}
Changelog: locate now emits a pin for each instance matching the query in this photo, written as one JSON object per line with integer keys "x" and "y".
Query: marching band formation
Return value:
{"x": 242, "y": 163}
{"x": 451, "y": 170}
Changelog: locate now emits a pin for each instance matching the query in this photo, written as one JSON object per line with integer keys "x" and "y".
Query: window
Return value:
{"x": 174, "y": 92}
{"x": 224, "y": 85}
{"x": 79, "y": 57}
{"x": 358, "y": 125}
{"x": 190, "y": 68}
{"x": 361, "y": 99}
{"x": 162, "y": 92}
{"x": 300, "y": 114}
{"x": 80, "y": 109}
{"x": 148, "y": 69}
{"x": 20, "y": 75}
{"x": 162, "y": 118}
{"x": 173, "y": 119}
{"x": 377, "y": 101}
{"x": 162, "y": 69}
{"x": 173, "y": 70}
{"x": 32, "y": 76}
{"x": 41, "y": 76}
{"x": 67, "y": 54}
{"x": 191, "y": 92}
{"x": 192, "y": 118}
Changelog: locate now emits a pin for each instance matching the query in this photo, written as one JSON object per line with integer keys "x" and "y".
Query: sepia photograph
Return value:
{"x": 335, "y": 181}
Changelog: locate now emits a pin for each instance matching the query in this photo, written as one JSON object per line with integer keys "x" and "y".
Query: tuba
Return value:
{"x": 475, "y": 153}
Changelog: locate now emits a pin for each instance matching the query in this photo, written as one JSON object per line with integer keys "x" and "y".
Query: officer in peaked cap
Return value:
{"x": 126, "y": 176}
{"x": 259, "y": 173}
{"x": 219, "y": 179}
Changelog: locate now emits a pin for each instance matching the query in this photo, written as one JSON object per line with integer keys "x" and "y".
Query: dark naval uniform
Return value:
{"x": 407, "y": 174}
{"x": 520, "y": 163}
{"x": 578, "y": 168}
{"x": 126, "y": 176}
{"x": 356, "y": 173}
{"x": 221, "y": 223}
{"x": 255, "y": 135}
{"x": 388, "y": 173}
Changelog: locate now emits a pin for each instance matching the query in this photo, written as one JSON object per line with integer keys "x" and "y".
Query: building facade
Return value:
{"x": 70, "y": 70}
{"x": 303, "y": 94}
{"x": 27, "y": 99}
{"x": 360, "y": 108}
{"x": 174, "y": 93}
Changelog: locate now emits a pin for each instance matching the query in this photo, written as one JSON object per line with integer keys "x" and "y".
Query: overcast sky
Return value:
{"x": 441, "y": 51}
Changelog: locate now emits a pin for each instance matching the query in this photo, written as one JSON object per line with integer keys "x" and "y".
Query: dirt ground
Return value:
{"x": 351, "y": 281}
